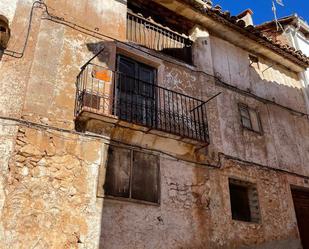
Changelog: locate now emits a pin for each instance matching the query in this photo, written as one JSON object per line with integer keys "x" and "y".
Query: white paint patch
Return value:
{"x": 174, "y": 80}
{"x": 8, "y": 8}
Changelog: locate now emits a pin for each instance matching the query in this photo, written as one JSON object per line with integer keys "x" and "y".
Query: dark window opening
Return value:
{"x": 2, "y": 29}
{"x": 244, "y": 201}
{"x": 136, "y": 99}
{"x": 132, "y": 174}
{"x": 250, "y": 118}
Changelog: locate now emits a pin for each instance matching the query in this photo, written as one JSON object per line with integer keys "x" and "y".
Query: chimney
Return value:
{"x": 246, "y": 16}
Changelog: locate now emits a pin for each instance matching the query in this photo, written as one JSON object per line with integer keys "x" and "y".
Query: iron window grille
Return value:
{"x": 244, "y": 201}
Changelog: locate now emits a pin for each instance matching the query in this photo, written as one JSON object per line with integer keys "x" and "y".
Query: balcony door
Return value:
{"x": 135, "y": 92}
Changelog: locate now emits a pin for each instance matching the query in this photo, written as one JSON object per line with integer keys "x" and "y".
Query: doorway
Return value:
{"x": 301, "y": 205}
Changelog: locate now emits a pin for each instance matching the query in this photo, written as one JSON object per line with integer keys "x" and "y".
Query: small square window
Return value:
{"x": 132, "y": 174}
{"x": 244, "y": 201}
{"x": 250, "y": 118}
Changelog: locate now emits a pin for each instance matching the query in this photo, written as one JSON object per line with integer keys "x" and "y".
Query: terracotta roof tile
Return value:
{"x": 225, "y": 17}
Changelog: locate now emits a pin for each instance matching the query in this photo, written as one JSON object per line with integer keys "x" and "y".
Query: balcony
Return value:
{"x": 123, "y": 98}
{"x": 154, "y": 36}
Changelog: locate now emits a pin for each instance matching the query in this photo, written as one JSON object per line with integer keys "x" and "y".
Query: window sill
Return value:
{"x": 254, "y": 131}
{"x": 258, "y": 223}
{"x": 129, "y": 200}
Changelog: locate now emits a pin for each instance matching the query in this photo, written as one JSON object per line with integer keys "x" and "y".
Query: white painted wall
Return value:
{"x": 7, "y": 8}
{"x": 300, "y": 42}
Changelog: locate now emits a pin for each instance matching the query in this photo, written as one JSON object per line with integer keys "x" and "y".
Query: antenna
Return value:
{"x": 274, "y": 9}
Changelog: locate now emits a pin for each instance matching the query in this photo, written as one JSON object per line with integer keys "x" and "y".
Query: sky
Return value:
{"x": 262, "y": 9}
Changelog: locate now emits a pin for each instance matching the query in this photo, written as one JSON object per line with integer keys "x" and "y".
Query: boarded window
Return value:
{"x": 117, "y": 182}
{"x": 132, "y": 174}
{"x": 145, "y": 177}
{"x": 244, "y": 201}
{"x": 250, "y": 118}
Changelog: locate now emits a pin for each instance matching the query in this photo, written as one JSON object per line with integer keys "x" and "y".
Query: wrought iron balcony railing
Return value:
{"x": 115, "y": 94}
{"x": 154, "y": 36}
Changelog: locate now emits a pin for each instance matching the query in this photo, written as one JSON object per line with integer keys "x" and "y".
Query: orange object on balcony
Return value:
{"x": 104, "y": 75}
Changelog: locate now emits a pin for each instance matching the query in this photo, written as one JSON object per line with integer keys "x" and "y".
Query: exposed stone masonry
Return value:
{"x": 48, "y": 190}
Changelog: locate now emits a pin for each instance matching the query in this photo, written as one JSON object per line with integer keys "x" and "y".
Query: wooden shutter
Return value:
{"x": 145, "y": 177}
{"x": 117, "y": 181}
{"x": 301, "y": 204}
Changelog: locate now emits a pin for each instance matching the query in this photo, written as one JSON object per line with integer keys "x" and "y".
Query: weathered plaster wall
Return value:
{"x": 181, "y": 221}
{"x": 269, "y": 80}
{"x": 14, "y": 75}
{"x": 278, "y": 223}
{"x": 195, "y": 212}
{"x": 48, "y": 179}
{"x": 284, "y": 141}
{"x": 8, "y": 8}
{"x": 108, "y": 16}
{"x": 50, "y": 189}
{"x": 282, "y": 144}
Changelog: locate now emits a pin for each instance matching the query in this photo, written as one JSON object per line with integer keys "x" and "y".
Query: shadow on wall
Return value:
{"x": 134, "y": 225}
{"x": 104, "y": 58}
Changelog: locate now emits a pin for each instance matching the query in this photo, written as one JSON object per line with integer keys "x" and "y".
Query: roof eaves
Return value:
{"x": 225, "y": 17}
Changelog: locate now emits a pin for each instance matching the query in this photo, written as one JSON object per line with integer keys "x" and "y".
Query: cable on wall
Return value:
{"x": 95, "y": 33}
{"x": 218, "y": 81}
{"x": 106, "y": 140}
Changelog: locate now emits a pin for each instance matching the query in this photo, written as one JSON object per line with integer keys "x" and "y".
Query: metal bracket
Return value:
{"x": 85, "y": 65}
{"x": 205, "y": 102}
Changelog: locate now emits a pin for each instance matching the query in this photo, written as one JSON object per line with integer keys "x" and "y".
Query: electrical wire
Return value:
{"x": 107, "y": 140}
{"x": 218, "y": 81}
{"x": 96, "y": 34}
{"x": 21, "y": 54}
{"x": 103, "y": 138}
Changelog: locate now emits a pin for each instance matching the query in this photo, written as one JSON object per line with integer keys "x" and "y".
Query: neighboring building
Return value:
{"x": 293, "y": 31}
{"x": 149, "y": 124}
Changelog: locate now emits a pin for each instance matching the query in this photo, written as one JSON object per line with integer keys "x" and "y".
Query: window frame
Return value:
{"x": 254, "y": 219}
{"x": 118, "y": 93}
{"x": 242, "y": 106}
{"x": 130, "y": 199}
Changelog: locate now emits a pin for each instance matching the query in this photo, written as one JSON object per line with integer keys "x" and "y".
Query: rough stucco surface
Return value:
{"x": 195, "y": 212}
{"x": 50, "y": 192}
{"x": 48, "y": 179}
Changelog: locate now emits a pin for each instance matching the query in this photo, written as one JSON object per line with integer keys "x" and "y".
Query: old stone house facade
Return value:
{"x": 148, "y": 124}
